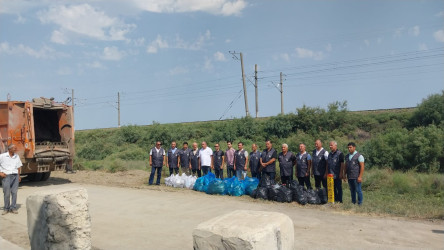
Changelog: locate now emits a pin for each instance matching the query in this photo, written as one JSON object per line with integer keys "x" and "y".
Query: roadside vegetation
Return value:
{"x": 404, "y": 149}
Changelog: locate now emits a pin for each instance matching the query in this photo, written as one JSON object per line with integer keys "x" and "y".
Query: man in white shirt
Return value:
{"x": 10, "y": 164}
{"x": 205, "y": 155}
{"x": 157, "y": 159}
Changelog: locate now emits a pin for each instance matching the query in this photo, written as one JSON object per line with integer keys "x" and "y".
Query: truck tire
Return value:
{"x": 45, "y": 176}
{"x": 35, "y": 176}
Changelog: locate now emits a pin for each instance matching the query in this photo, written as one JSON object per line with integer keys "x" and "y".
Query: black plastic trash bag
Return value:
{"x": 313, "y": 197}
{"x": 262, "y": 193}
{"x": 294, "y": 184}
{"x": 266, "y": 181}
{"x": 253, "y": 194}
{"x": 299, "y": 194}
{"x": 285, "y": 194}
{"x": 216, "y": 186}
{"x": 273, "y": 192}
{"x": 323, "y": 197}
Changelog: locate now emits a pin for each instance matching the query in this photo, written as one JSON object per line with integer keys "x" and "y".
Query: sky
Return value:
{"x": 176, "y": 61}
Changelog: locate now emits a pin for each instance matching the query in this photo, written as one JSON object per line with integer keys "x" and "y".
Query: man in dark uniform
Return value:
{"x": 354, "y": 167}
{"x": 320, "y": 157}
{"x": 336, "y": 168}
{"x": 268, "y": 161}
{"x": 240, "y": 160}
{"x": 218, "y": 161}
{"x": 157, "y": 158}
{"x": 184, "y": 159}
{"x": 255, "y": 163}
{"x": 173, "y": 159}
{"x": 194, "y": 160}
{"x": 303, "y": 166}
{"x": 287, "y": 160}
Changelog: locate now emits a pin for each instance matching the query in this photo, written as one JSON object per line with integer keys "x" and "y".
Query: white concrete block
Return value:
{"x": 59, "y": 219}
{"x": 243, "y": 229}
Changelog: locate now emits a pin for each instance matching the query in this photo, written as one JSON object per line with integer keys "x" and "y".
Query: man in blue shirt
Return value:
{"x": 354, "y": 169}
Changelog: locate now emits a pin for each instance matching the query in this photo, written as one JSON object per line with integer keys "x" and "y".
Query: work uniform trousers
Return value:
{"x": 159, "y": 173}
{"x": 10, "y": 187}
{"x": 338, "y": 190}
{"x": 355, "y": 188}
{"x": 230, "y": 171}
{"x": 219, "y": 173}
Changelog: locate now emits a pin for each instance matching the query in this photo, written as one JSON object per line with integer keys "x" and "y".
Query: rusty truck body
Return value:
{"x": 43, "y": 132}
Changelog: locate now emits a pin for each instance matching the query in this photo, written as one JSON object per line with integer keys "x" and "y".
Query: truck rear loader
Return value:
{"x": 43, "y": 132}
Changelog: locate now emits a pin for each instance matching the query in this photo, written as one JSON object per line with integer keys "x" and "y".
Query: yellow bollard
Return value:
{"x": 331, "y": 187}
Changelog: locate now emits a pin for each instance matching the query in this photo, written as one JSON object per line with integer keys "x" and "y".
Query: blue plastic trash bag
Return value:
{"x": 216, "y": 186}
{"x": 199, "y": 184}
{"x": 236, "y": 188}
{"x": 228, "y": 183}
{"x": 250, "y": 184}
{"x": 208, "y": 178}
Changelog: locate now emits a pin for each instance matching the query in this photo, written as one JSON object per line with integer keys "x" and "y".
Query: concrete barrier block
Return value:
{"x": 243, "y": 229}
{"x": 59, "y": 219}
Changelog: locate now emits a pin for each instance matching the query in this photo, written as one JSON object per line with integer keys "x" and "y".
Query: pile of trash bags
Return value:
{"x": 230, "y": 186}
{"x": 269, "y": 190}
{"x": 181, "y": 181}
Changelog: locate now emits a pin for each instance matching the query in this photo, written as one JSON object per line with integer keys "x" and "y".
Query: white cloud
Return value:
{"x": 306, "y": 53}
{"x": 422, "y": 46}
{"x": 227, "y": 40}
{"x": 328, "y": 47}
{"x": 379, "y": 40}
{"x": 216, "y": 7}
{"x": 178, "y": 70}
{"x": 139, "y": 42}
{"x": 195, "y": 45}
{"x": 59, "y": 37}
{"x": 219, "y": 56}
{"x": 179, "y": 43}
{"x": 157, "y": 44}
{"x": 398, "y": 32}
{"x": 440, "y": 14}
{"x": 112, "y": 53}
{"x": 439, "y": 35}
{"x": 20, "y": 19}
{"x": 84, "y": 20}
{"x": 414, "y": 31}
{"x": 95, "y": 65}
{"x": 285, "y": 57}
{"x": 208, "y": 65}
{"x": 367, "y": 42}
{"x": 44, "y": 53}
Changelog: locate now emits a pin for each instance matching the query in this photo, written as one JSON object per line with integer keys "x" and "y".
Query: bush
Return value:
{"x": 430, "y": 111}
{"x": 116, "y": 166}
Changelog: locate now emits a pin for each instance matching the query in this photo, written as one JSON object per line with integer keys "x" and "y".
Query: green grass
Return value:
{"x": 410, "y": 194}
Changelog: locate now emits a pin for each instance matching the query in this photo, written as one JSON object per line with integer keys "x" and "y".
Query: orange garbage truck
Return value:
{"x": 43, "y": 131}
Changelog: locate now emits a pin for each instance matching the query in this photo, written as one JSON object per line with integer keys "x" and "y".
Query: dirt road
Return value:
{"x": 141, "y": 217}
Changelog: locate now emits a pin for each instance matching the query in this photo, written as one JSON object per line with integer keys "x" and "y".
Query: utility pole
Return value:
{"x": 255, "y": 90}
{"x": 118, "y": 109}
{"x": 72, "y": 99}
{"x": 247, "y": 113}
{"x": 243, "y": 80}
{"x": 282, "y": 97}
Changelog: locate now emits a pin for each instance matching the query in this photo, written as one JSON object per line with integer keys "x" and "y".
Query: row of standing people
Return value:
{"x": 237, "y": 162}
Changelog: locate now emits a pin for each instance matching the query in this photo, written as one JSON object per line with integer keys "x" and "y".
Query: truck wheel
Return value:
{"x": 35, "y": 176}
{"x": 45, "y": 176}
